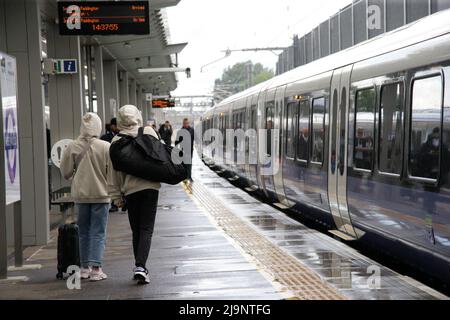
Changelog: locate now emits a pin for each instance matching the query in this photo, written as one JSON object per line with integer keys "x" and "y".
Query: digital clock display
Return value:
{"x": 103, "y": 17}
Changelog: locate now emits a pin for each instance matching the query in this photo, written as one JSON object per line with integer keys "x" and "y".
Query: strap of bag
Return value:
{"x": 81, "y": 155}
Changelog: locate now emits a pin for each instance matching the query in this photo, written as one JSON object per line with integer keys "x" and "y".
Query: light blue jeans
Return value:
{"x": 92, "y": 222}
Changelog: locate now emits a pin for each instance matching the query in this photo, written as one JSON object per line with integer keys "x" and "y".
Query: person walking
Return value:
{"x": 85, "y": 162}
{"x": 165, "y": 131}
{"x": 187, "y": 130}
{"x": 141, "y": 195}
{"x": 111, "y": 131}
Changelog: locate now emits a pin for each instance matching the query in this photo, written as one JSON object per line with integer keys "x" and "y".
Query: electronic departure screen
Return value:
{"x": 103, "y": 17}
{"x": 163, "y": 103}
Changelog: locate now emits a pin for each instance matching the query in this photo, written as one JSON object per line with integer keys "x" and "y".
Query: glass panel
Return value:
{"x": 343, "y": 129}
{"x": 426, "y": 128}
{"x": 318, "y": 129}
{"x": 303, "y": 131}
{"x": 291, "y": 123}
{"x": 364, "y": 129}
{"x": 333, "y": 132}
{"x": 269, "y": 127}
{"x": 391, "y": 130}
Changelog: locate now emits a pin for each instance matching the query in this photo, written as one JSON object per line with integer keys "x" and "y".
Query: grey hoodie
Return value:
{"x": 129, "y": 120}
{"x": 89, "y": 183}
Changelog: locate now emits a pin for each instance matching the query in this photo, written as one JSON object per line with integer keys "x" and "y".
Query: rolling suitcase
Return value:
{"x": 68, "y": 248}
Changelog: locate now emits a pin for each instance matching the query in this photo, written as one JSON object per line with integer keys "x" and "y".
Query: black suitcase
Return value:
{"x": 68, "y": 248}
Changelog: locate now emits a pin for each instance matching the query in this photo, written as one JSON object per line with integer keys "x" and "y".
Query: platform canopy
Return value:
{"x": 148, "y": 51}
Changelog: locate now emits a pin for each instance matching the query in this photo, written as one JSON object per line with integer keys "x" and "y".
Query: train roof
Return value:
{"x": 421, "y": 30}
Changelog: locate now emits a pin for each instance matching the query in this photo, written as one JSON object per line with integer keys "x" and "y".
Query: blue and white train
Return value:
{"x": 364, "y": 142}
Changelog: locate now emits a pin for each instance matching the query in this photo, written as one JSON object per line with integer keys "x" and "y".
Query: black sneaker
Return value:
{"x": 141, "y": 275}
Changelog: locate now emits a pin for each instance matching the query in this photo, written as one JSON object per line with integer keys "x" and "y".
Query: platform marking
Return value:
{"x": 289, "y": 276}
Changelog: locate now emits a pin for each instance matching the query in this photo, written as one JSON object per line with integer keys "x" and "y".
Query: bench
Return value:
{"x": 62, "y": 198}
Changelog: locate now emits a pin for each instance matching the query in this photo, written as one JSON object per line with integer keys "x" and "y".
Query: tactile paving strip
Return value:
{"x": 284, "y": 269}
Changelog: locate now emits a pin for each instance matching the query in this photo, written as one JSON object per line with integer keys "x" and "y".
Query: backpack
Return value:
{"x": 146, "y": 157}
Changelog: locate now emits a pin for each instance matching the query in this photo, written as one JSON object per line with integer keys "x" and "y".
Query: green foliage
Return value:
{"x": 243, "y": 75}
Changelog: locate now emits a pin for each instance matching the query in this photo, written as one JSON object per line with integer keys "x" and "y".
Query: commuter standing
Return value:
{"x": 141, "y": 195}
{"x": 111, "y": 131}
{"x": 85, "y": 162}
{"x": 165, "y": 131}
{"x": 187, "y": 130}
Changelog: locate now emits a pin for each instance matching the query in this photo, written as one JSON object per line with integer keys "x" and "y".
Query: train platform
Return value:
{"x": 214, "y": 241}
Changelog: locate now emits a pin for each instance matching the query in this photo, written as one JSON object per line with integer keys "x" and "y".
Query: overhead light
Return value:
{"x": 162, "y": 70}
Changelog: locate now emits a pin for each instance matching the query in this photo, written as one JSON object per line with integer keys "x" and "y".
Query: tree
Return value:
{"x": 239, "y": 77}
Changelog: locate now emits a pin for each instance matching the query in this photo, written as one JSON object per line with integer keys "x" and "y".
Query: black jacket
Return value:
{"x": 179, "y": 139}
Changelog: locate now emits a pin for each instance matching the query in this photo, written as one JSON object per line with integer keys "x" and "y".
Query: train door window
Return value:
{"x": 364, "y": 129}
{"x": 426, "y": 117}
{"x": 269, "y": 127}
{"x": 318, "y": 130}
{"x": 391, "y": 128}
{"x": 291, "y": 129}
{"x": 303, "y": 131}
{"x": 253, "y": 117}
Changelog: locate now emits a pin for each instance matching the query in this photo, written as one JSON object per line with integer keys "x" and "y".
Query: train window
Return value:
{"x": 269, "y": 127}
{"x": 303, "y": 131}
{"x": 291, "y": 129}
{"x": 426, "y": 117}
{"x": 364, "y": 129}
{"x": 253, "y": 117}
{"x": 318, "y": 129}
{"x": 391, "y": 128}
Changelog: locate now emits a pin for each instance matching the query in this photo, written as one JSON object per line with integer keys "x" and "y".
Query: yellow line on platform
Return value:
{"x": 289, "y": 276}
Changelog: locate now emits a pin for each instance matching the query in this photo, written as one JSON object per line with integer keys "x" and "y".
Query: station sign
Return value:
{"x": 10, "y": 128}
{"x": 63, "y": 66}
{"x": 163, "y": 103}
{"x": 80, "y": 18}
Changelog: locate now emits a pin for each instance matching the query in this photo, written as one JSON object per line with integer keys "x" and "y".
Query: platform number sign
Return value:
{"x": 103, "y": 17}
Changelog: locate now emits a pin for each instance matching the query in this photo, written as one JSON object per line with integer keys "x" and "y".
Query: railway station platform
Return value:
{"x": 214, "y": 241}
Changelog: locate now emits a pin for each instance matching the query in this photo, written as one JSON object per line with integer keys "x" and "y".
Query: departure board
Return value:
{"x": 103, "y": 17}
{"x": 163, "y": 103}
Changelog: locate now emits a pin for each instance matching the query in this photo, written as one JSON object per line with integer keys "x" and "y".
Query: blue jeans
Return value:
{"x": 92, "y": 222}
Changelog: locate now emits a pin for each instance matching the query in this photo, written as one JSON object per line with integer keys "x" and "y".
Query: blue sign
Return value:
{"x": 69, "y": 66}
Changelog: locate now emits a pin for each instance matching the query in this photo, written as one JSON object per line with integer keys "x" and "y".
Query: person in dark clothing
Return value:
{"x": 165, "y": 131}
{"x": 190, "y": 131}
{"x": 111, "y": 130}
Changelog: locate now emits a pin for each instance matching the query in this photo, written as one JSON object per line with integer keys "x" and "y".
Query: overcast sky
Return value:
{"x": 214, "y": 25}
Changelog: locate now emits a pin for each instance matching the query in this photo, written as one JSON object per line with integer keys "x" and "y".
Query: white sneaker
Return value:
{"x": 98, "y": 275}
{"x": 141, "y": 275}
{"x": 85, "y": 273}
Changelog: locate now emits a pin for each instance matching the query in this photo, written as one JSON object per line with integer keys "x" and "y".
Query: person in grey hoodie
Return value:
{"x": 141, "y": 195}
{"x": 85, "y": 162}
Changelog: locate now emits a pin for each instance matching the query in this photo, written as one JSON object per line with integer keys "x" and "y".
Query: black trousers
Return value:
{"x": 141, "y": 214}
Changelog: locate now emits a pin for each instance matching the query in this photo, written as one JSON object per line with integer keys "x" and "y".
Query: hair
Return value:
{"x": 113, "y": 121}
{"x": 185, "y": 119}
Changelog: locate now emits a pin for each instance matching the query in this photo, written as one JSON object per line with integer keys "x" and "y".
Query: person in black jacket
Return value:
{"x": 111, "y": 131}
{"x": 190, "y": 131}
{"x": 165, "y": 131}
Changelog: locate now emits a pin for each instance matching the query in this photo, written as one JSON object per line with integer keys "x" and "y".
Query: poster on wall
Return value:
{"x": 8, "y": 82}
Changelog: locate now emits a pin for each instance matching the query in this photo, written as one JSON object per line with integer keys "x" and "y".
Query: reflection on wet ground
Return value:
{"x": 354, "y": 275}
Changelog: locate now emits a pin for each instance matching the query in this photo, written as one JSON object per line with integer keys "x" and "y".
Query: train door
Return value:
{"x": 252, "y": 146}
{"x": 269, "y": 123}
{"x": 337, "y": 158}
{"x": 278, "y": 172}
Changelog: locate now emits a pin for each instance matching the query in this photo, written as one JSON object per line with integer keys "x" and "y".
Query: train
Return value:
{"x": 363, "y": 144}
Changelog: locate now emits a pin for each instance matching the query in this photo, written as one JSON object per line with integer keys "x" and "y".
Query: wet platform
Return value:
{"x": 214, "y": 241}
